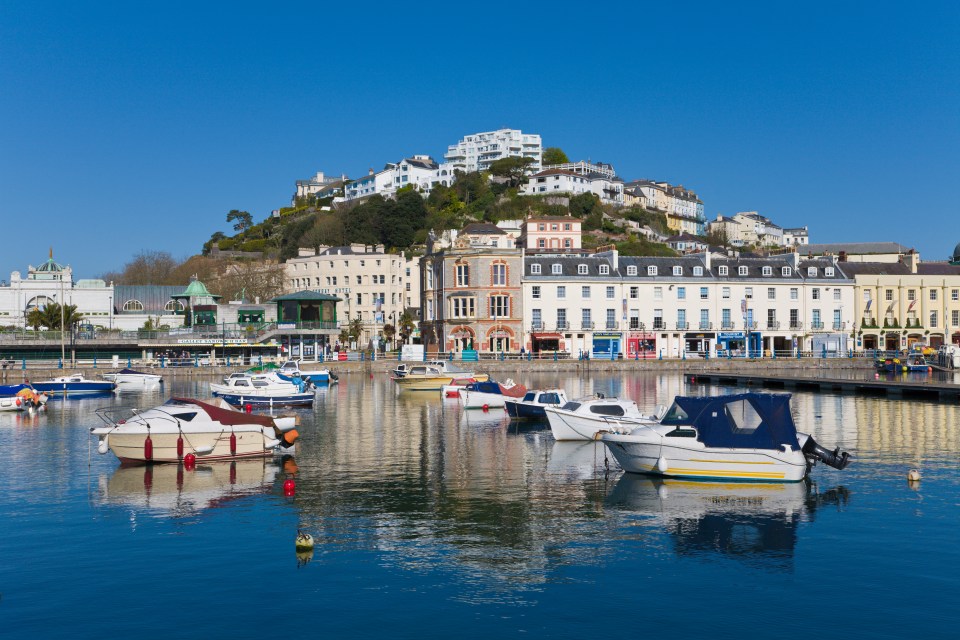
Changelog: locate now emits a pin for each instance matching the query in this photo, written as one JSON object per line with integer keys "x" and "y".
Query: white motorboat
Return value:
{"x": 490, "y": 394}
{"x": 21, "y": 397}
{"x": 182, "y": 426}
{"x": 534, "y": 403}
{"x": 130, "y": 379}
{"x": 452, "y": 390}
{"x": 746, "y": 436}
{"x": 583, "y": 419}
{"x": 264, "y": 389}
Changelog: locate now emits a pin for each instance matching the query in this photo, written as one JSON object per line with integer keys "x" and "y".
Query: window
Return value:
{"x": 704, "y": 318}
{"x": 463, "y": 275}
{"x": 725, "y": 292}
{"x": 534, "y": 269}
{"x": 632, "y": 270}
{"x": 537, "y": 318}
{"x": 129, "y": 305}
{"x": 173, "y": 306}
{"x": 955, "y": 318}
{"x": 933, "y": 319}
{"x": 634, "y": 293}
{"x": 722, "y": 270}
{"x": 561, "y": 318}
{"x": 359, "y": 298}
{"x": 463, "y": 307}
{"x": 610, "y": 293}
{"x": 725, "y": 318}
{"x": 811, "y": 272}
{"x": 828, "y": 272}
{"x": 567, "y": 226}
{"x": 359, "y": 279}
{"x": 611, "y": 318}
{"x": 582, "y": 269}
{"x": 704, "y": 293}
{"x": 742, "y": 271}
{"x": 867, "y": 296}
{"x": 678, "y": 271}
{"x": 561, "y": 292}
{"x": 658, "y": 293}
{"x": 786, "y": 271}
{"x": 681, "y": 293}
{"x": 768, "y": 271}
{"x": 698, "y": 271}
{"x": 541, "y": 243}
{"x": 836, "y": 293}
{"x": 933, "y": 294}
{"x": 585, "y": 319}
{"x": 652, "y": 270}
{"x": 604, "y": 269}
{"x": 535, "y": 292}
{"x": 794, "y": 318}
{"x": 815, "y": 293}
{"x": 748, "y": 293}
{"x": 888, "y": 295}
{"x": 658, "y": 319}
{"x": 771, "y": 293}
{"x": 499, "y": 306}
{"x": 567, "y": 243}
{"x": 681, "y": 318}
{"x": 794, "y": 293}
{"x": 556, "y": 268}
{"x": 817, "y": 323}
{"x": 955, "y": 294}
{"x": 584, "y": 292}
{"x": 498, "y": 275}
{"x": 911, "y": 294}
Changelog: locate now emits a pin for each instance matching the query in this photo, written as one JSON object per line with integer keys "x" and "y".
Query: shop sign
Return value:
{"x": 731, "y": 335}
{"x": 213, "y": 341}
{"x": 606, "y": 335}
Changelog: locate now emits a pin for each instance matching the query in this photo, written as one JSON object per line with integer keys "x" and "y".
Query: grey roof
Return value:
{"x": 345, "y": 251}
{"x": 154, "y": 297}
{"x": 851, "y": 248}
{"x": 938, "y": 269}
{"x": 754, "y": 266}
{"x": 306, "y": 295}
{"x": 569, "y": 266}
{"x": 875, "y": 268}
{"x": 478, "y": 228}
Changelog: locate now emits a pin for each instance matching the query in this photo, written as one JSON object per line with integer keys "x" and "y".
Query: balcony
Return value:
{"x": 682, "y": 325}
{"x": 796, "y": 325}
{"x": 726, "y": 325}
{"x": 586, "y": 325}
{"x": 706, "y": 326}
{"x": 562, "y": 325}
{"x": 772, "y": 325}
{"x": 839, "y": 326}
{"x": 816, "y": 325}
{"x": 868, "y": 323}
{"x": 751, "y": 326}
{"x": 658, "y": 325}
{"x": 536, "y": 326}
{"x": 613, "y": 324}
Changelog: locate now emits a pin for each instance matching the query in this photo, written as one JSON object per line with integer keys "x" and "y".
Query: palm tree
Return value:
{"x": 406, "y": 326}
{"x": 53, "y": 317}
{"x": 388, "y": 332}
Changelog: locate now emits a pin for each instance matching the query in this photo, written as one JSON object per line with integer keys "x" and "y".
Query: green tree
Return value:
{"x": 584, "y": 204}
{"x": 214, "y": 239}
{"x": 554, "y": 155}
{"x": 407, "y": 326}
{"x": 51, "y": 316}
{"x": 242, "y": 220}
{"x": 513, "y": 168}
{"x": 389, "y": 331}
{"x": 356, "y": 329}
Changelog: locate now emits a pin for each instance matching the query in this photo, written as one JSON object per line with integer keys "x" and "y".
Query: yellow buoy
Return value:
{"x": 913, "y": 475}
{"x": 304, "y": 541}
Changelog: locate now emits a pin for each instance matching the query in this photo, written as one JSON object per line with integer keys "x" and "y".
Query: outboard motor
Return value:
{"x": 837, "y": 459}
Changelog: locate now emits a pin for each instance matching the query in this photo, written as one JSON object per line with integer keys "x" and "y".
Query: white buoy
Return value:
{"x": 662, "y": 465}
{"x": 913, "y": 475}
{"x": 102, "y": 446}
{"x": 304, "y": 541}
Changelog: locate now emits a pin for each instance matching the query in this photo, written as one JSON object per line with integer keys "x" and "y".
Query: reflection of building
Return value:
{"x": 471, "y": 292}
{"x": 53, "y": 282}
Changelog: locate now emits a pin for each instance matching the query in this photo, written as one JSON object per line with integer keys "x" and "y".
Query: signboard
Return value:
{"x": 286, "y": 325}
{"x": 606, "y": 334}
{"x": 731, "y": 335}
{"x": 213, "y": 341}
{"x": 412, "y": 353}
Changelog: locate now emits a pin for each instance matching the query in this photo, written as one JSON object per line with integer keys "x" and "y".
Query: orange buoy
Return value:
{"x": 291, "y": 436}
{"x": 148, "y": 448}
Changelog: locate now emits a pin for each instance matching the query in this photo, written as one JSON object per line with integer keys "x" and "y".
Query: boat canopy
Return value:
{"x": 743, "y": 420}
{"x": 131, "y": 372}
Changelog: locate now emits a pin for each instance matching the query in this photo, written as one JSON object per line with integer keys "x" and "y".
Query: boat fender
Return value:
{"x": 233, "y": 444}
{"x": 180, "y": 447}
{"x": 662, "y": 464}
{"x": 148, "y": 448}
{"x": 189, "y": 461}
{"x": 18, "y": 402}
{"x": 103, "y": 446}
{"x": 289, "y": 487}
{"x": 913, "y": 475}
{"x": 290, "y": 436}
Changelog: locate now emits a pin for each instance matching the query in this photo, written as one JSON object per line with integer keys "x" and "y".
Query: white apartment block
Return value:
{"x": 376, "y": 287}
{"x": 318, "y": 184}
{"x": 585, "y": 168}
{"x": 478, "y": 151}
{"x": 688, "y": 306}
{"x": 683, "y": 208}
{"x": 562, "y": 181}
{"x": 796, "y": 236}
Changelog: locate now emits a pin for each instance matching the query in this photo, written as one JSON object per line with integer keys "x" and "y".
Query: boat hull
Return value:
{"x": 657, "y": 456}
{"x": 61, "y": 388}
{"x": 206, "y": 446}
{"x": 240, "y": 400}
{"x": 481, "y": 400}
{"x": 530, "y": 410}
{"x": 567, "y": 425}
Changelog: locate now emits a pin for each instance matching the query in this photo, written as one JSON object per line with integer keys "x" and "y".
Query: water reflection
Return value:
{"x": 757, "y": 524}
{"x": 173, "y": 491}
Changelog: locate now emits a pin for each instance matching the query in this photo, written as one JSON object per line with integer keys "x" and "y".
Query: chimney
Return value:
{"x": 370, "y": 171}
{"x": 843, "y": 256}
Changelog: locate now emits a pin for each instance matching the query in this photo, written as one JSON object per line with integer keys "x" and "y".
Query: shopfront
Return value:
{"x": 699, "y": 343}
{"x": 641, "y": 345}
{"x": 545, "y": 342}
{"x": 606, "y": 346}
{"x": 731, "y": 343}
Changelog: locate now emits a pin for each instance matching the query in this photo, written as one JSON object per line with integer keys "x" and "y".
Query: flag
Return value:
{"x": 890, "y": 308}
{"x": 910, "y": 308}
{"x": 869, "y": 302}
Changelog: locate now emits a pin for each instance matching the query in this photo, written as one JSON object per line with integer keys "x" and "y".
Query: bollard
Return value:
{"x": 529, "y": 356}
{"x": 163, "y": 361}
{"x": 94, "y": 361}
{"x": 660, "y": 357}
{"x": 450, "y": 358}
{"x": 501, "y": 356}
{"x": 24, "y": 365}
{"x": 683, "y": 354}
{"x": 554, "y": 356}
{"x": 196, "y": 361}
{"x": 129, "y": 365}
{"x": 59, "y": 363}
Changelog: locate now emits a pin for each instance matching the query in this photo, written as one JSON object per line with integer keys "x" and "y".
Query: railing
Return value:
{"x": 658, "y": 325}
{"x": 796, "y": 325}
{"x": 612, "y": 324}
{"x": 536, "y": 326}
{"x": 726, "y": 326}
{"x": 681, "y": 325}
{"x": 563, "y": 324}
{"x": 816, "y": 326}
{"x": 772, "y": 325}
{"x": 586, "y": 325}
{"x": 706, "y": 326}
{"x": 839, "y": 326}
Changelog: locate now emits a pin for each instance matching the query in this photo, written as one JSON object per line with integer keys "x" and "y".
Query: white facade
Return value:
{"x": 796, "y": 236}
{"x": 683, "y": 208}
{"x": 52, "y": 282}
{"x": 375, "y": 286}
{"x": 562, "y": 181}
{"x": 478, "y": 151}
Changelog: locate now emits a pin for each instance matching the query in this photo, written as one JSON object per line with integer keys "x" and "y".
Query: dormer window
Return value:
{"x": 582, "y": 269}
{"x": 678, "y": 271}
{"x": 604, "y": 269}
{"x": 535, "y": 269}
{"x": 828, "y": 272}
{"x": 811, "y": 272}
{"x": 652, "y": 270}
{"x": 632, "y": 270}
{"x": 722, "y": 270}
{"x": 786, "y": 271}
{"x": 741, "y": 271}
{"x": 556, "y": 268}
{"x": 698, "y": 271}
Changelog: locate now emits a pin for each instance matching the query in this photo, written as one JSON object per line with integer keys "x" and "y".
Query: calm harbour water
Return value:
{"x": 435, "y": 522}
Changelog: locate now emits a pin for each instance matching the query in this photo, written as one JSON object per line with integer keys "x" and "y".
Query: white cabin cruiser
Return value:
{"x": 264, "y": 389}
{"x": 182, "y": 426}
{"x": 746, "y": 436}
{"x": 128, "y": 379}
{"x": 584, "y": 418}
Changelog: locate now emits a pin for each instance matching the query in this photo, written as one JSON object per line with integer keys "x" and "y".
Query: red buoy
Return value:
{"x": 190, "y": 461}
{"x": 148, "y": 448}
{"x": 289, "y": 487}
{"x": 18, "y": 402}
{"x": 486, "y": 407}
{"x": 248, "y": 408}
{"x": 233, "y": 444}
{"x": 180, "y": 448}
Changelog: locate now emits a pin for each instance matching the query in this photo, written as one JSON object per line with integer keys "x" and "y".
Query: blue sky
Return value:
{"x": 127, "y": 127}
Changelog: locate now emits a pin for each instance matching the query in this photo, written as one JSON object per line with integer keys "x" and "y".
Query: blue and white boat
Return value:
{"x": 74, "y": 384}
{"x": 534, "y": 403}
{"x": 264, "y": 390}
{"x": 20, "y": 397}
{"x": 488, "y": 394}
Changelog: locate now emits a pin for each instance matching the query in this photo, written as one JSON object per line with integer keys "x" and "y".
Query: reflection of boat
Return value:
{"x": 493, "y": 418}
{"x": 746, "y": 436}
{"x": 490, "y": 394}
{"x": 583, "y": 419}
{"x": 74, "y": 384}
{"x": 20, "y": 397}
{"x": 432, "y": 376}
{"x": 581, "y": 459}
{"x": 263, "y": 389}
{"x": 754, "y": 523}
{"x": 184, "y": 426}
{"x": 130, "y": 379}
{"x": 534, "y": 403}
{"x": 177, "y": 491}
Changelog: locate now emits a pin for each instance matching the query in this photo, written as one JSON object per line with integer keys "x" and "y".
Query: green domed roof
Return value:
{"x": 956, "y": 254}
{"x": 196, "y": 289}
{"x": 49, "y": 267}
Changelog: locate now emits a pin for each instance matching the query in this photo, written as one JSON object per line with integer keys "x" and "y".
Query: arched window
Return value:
{"x": 133, "y": 305}
{"x": 39, "y": 302}
{"x": 173, "y": 306}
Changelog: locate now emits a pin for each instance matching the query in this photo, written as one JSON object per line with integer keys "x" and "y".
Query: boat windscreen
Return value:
{"x": 530, "y": 397}
{"x": 549, "y": 398}
{"x": 676, "y": 414}
{"x": 571, "y": 406}
{"x": 607, "y": 410}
